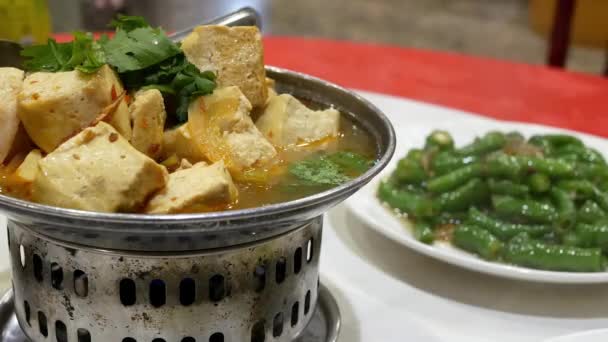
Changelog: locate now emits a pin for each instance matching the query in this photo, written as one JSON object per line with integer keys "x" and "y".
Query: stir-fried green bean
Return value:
{"x": 506, "y": 230}
{"x": 406, "y": 201}
{"x": 539, "y": 182}
{"x": 540, "y": 202}
{"x": 478, "y": 241}
{"x": 524, "y": 251}
{"x": 423, "y": 231}
{"x": 566, "y": 209}
{"x": 590, "y": 212}
{"x": 409, "y": 171}
{"x": 507, "y": 187}
{"x": 473, "y": 192}
{"x": 454, "y": 179}
{"x": 446, "y": 161}
{"x": 492, "y": 141}
{"x": 440, "y": 139}
{"x": 528, "y": 210}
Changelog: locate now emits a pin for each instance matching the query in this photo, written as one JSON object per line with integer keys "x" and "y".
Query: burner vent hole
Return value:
{"x": 42, "y": 324}
{"x": 258, "y": 333}
{"x": 297, "y": 260}
{"x": 277, "y": 325}
{"x": 128, "y": 339}
{"x": 81, "y": 283}
{"x": 259, "y": 275}
{"x": 188, "y": 339}
{"x": 61, "y": 332}
{"x": 158, "y": 340}
{"x": 158, "y": 293}
{"x": 26, "y": 308}
{"x": 217, "y": 337}
{"x": 22, "y": 255}
{"x": 307, "y": 303}
{"x": 309, "y": 250}
{"x": 127, "y": 292}
{"x": 281, "y": 270}
{"x": 217, "y": 290}
{"x": 187, "y": 292}
{"x": 295, "y": 314}
{"x": 38, "y": 267}
{"x": 56, "y": 276}
{"x": 83, "y": 335}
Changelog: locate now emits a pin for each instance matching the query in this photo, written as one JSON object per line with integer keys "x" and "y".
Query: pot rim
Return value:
{"x": 10, "y": 205}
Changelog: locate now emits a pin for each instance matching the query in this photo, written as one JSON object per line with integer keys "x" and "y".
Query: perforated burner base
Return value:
{"x": 323, "y": 327}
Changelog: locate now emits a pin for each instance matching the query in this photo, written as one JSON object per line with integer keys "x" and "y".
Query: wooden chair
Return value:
{"x": 560, "y": 36}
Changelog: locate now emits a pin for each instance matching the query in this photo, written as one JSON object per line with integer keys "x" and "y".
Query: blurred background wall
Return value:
{"x": 492, "y": 28}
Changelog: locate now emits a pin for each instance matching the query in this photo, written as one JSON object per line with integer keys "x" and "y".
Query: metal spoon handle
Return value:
{"x": 245, "y": 16}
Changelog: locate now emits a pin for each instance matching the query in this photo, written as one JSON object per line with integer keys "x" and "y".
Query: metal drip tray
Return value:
{"x": 323, "y": 327}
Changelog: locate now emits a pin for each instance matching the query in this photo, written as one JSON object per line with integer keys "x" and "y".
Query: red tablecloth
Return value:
{"x": 504, "y": 90}
{"x": 500, "y": 89}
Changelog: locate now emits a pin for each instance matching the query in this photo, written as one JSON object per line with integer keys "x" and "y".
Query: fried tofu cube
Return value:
{"x": 11, "y": 81}
{"x": 220, "y": 125}
{"x": 28, "y": 170}
{"x": 235, "y": 54}
{"x": 98, "y": 170}
{"x": 149, "y": 115}
{"x": 287, "y": 122}
{"x": 178, "y": 141}
{"x": 55, "y": 106}
{"x": 194, "y": 188}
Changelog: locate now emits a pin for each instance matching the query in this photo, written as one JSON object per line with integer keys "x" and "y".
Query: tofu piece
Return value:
{"x": 120, "y": 119}
{"x": 178, "y": 141}
{"x": 220, "y": 125}
{"x": 56, "y": 106}
{"x": 197, "y": 187}
{"x": 98, "y": 170}
{"x": 287, "y": 122}
{"x": 235, "y": 54}
{"x": 28, "y": 170}
{"x": 11, "y": 82}
{"x": 149, "y": 115}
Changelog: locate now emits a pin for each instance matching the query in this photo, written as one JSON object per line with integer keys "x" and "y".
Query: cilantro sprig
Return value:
{"x": 330, "y": 169}
{"x": 83, "y": 53}
{"x": 143, "y": 56}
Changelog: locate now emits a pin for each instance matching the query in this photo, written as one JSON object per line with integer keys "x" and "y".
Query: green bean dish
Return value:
{"x": 540, "y": 202}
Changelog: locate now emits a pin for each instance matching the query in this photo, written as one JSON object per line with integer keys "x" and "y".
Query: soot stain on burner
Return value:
{"x": 67, "y": 303}
{"x": 72, "y": 251}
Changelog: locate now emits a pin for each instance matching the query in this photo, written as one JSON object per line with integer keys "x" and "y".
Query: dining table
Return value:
{"x": 389, "y": 293}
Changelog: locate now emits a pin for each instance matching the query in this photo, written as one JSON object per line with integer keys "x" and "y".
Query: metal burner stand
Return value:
{"x": 323, "y": 327}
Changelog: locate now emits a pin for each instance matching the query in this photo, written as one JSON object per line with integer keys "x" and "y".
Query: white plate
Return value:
{"x": 586, "y": 336}
{"x": 413, "y": 121}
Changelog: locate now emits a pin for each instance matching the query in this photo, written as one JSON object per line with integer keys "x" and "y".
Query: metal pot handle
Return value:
{"x": 245, "y": 16}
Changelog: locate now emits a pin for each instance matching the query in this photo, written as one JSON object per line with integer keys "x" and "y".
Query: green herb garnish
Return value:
{"x": 83, "y": 53}
{"x": 330, "y": 170}
{"x": 144, "y": 57}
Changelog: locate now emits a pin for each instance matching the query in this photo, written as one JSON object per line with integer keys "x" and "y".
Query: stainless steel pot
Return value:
{"x": 240, "y": 275}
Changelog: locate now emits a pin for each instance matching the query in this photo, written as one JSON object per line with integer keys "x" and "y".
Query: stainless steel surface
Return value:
{"x": 216, "y": 229}
{"x": 323, "y": 327}
{"x": 246, "y": 16}
{"x": 120, "y": 294}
